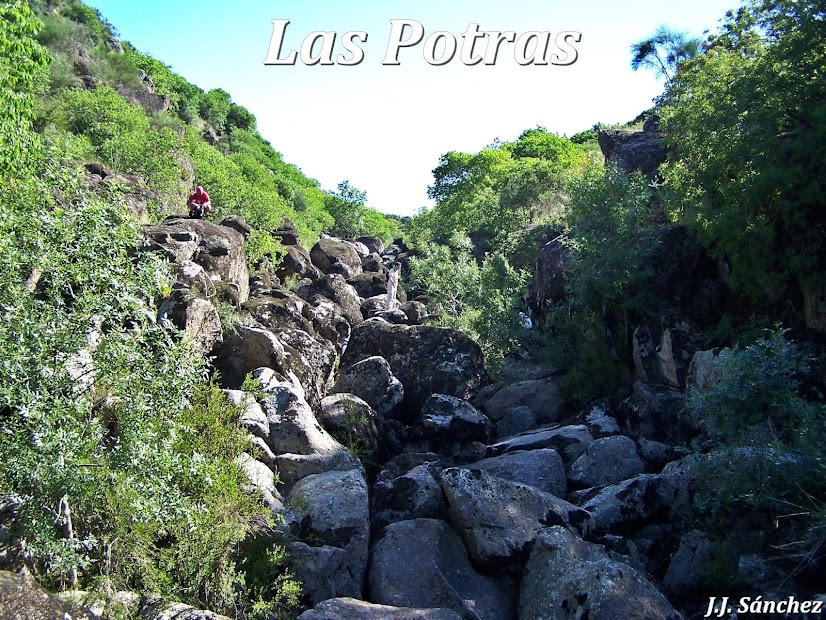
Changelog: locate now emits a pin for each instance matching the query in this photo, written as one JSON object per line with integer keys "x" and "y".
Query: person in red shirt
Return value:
{"x": 198, "y": 203}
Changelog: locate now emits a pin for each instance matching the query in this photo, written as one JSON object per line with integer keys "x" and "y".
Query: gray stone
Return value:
{"x": 543, "y": 396}
{"x": 619, "y": 508}
{"x": 655, "y": 454}
{"x": 688, "y": 570}
{"x": 332, "y": 507}
{"x": 309, "y": 359}
{"x": 301, "y": 445}
{"x": 600, "y": 422}
{"x": 423, "y": 564}
{"x": 631, "y": 151}
{"x": 332, "y": 288}
{"x": 607, "y": 460}
{"x": 296, "y": 263}
{"x": 449, "y": 419}
{"x": 542, "y": 469}
{"x": 427, "y": 360}
{"x": 18, "y": 593}
{"x": 220, "y": 252}
{"x": 514, "y": 421}
{"x": 352, "y": 420}
{"x": 333, "y": 255}
{"x": 279, "y": 310}
{"x": 372, "y": 380}
{"x": 246, "y": 349}
{"x": 499, "y": 519}
{"x": 569, "y": 441}
{"x": 262, "y": 481}
{"x": 408, "y": 488}
{"x": 322, "y": 572}
{"x": 352, "y": 609}
{"x": 196, "y": 317}
{"x": 566, "y": 578}
{"x": 657, "y": 412}
{"x": 252, "y": 416}
{"x": 703, "y": 372}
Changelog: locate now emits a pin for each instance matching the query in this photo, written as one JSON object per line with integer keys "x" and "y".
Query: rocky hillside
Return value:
{"x": 225, "y": 412}
{"x": 405, "y": 484}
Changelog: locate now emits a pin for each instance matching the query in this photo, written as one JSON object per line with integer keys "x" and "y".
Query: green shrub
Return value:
{"x": 480, "y": 301}
{"x": 89, "y": 17}
{"x": 771, "y": 458}
{"x": 106, "y": 414}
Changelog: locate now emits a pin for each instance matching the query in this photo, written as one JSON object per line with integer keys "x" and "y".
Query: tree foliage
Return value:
{"x": 499, "y": 189}
{"x": 664, "y": 51}
{"x": 22, "y": 60}
{"x": 746, "y": 123}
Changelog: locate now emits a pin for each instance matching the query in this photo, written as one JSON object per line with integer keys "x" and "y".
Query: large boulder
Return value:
{"x": 606, "y": 461}
{"x": 332, "y": 508}
{"x": 633, "y": 151}
{"x": 301, "y": 445}
{"x": 568, "y": 441}
{"x": 566, "y": 578}
{"x": 280, "y": 309}
{"x": 499, "y": 519}
{"x": 542, "y": 396}
{"x": 352, "y": 609}
{"x": 23, "y": 598}
{"x": 245, "y": 349}
{"x": 322, "y": 572}
{"x": 688, "y": 570}
{"x": 372, "y": 380}
{"x": 220, "y": 251}
{"x": 310, "y": 359}
{"x": 621, "y": 507}
{"x": 369, "y": 284}
{"x": 332, "y": 288}
{"x": 287, "y": 233}
{"x": 408, "y": 488}
{"x": 447, "y": 419}
{"x": 352, "y": 420}
{"x": 427, "y": 360}
{"x": 297, "y": 263}
{"x": 422, "y": 564}
{"x": 542, "y": 469}
{"x": 261, "y": 481}
{"x": 195, "y": 316}
{"x": 333, "y": 255}
{"x": 657, "y": 412}
{"x": 373, "y": 244}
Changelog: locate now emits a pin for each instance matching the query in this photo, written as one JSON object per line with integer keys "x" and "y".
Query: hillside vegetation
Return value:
{"x": 119, "y": 454}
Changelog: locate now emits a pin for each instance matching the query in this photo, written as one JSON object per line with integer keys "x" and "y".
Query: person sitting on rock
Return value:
{"x": 393, "y": 285}
{"x": 198, "y": 203}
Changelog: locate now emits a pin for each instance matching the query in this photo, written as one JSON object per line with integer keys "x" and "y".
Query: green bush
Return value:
{"x": 746, "y": 122}
{"x": 89, "y": 17}
{"x": 480, "y": 301}
{"x": 770, "y": 458}
{"x": 120, "y": 454}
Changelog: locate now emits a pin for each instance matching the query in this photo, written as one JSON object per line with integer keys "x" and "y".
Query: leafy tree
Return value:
{"x": 349, "y": 193}
{"x": 664, "y": 51}
{"x": 22, "y": 61}
{"x": 480, "y": 301}
{"x": 500, "y": 189}
{"x": 214, "y": 107}
{"x": 747, "y": 127}
{"x": 239, "y": 117}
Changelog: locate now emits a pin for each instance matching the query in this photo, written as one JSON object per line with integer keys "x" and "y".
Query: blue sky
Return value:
{"x": 384, "y": 127}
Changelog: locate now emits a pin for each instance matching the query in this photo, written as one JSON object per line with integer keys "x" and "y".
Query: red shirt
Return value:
{"x": 198, "y": 198}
